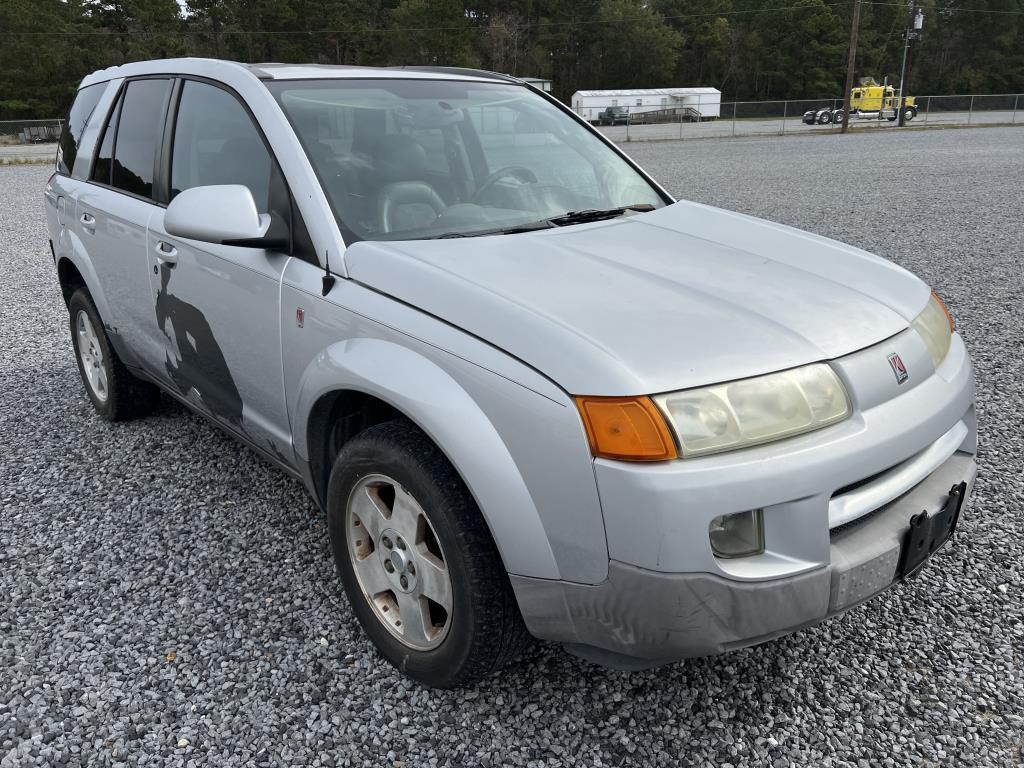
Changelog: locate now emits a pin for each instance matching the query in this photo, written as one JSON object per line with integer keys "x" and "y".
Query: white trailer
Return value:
{"x": 682, "y": 103}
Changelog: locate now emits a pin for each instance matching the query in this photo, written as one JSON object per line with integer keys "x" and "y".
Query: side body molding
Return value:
{"x": 443, "y": 409}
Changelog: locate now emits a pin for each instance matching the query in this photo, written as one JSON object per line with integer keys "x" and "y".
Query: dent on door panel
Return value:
{"x": 199, "y": 362}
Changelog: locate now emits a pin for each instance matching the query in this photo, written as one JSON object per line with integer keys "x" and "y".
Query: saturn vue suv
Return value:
{"x": 532, "y": 393}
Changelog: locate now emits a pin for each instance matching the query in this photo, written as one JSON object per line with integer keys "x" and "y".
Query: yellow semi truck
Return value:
{"x": 868, "y": 101}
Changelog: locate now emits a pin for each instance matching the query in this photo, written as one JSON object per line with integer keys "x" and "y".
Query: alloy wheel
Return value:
{"x": 91, "y": 354}
{"x": 398, "y": 562}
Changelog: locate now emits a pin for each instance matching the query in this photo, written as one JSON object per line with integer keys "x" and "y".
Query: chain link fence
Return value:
{"x": 700, "y": 117}
{"x": 706, "y": 118}
{"x": 29, "y": 140}
{"x": 30, "y": 131}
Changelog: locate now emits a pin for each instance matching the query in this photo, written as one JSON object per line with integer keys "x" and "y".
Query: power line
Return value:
{"x": 943, "y": 11}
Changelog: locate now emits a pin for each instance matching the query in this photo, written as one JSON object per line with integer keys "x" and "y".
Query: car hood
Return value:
{"x": 684, "y": 296}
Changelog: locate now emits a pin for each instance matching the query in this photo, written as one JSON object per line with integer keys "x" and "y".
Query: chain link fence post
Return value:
{"x": 785, "y": 109}
{"x": 970, "y": 110}
{"x": 734, "y": 118}
{"x": 928, "y": 108}
{"x": 1016, "y": 98}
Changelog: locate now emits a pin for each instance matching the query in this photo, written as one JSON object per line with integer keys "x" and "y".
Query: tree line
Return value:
{"x": 749, "y": 49}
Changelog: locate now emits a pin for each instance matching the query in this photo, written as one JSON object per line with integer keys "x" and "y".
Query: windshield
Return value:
{"x": 409, "y": 159}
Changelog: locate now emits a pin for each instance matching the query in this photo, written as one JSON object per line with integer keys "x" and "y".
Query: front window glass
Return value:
{"x": 407, "y": 159}
{"x": 215, "y": 142}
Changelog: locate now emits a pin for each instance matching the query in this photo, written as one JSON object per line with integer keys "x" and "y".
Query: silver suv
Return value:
{"x": 533, "y": 394}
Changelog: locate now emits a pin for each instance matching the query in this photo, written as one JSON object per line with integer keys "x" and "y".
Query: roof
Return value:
{"x": 650, "y": 92}
{"x": 280, "y": 71}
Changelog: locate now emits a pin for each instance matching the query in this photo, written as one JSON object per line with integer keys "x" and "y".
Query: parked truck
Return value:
{"x": 613, "y": 116}
{"x": 868, "y": 101}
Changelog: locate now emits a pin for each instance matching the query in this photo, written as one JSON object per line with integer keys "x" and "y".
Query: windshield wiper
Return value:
{"x": 572, "y": 217}
{"x": 581, "y": 217}
{"x": 546, "y": 224}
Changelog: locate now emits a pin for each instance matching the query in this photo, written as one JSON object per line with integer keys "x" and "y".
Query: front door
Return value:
{"x": 216, "y": 308}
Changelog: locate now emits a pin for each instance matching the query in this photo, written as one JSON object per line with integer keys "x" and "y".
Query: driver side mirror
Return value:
{"x": 221, "y": 213}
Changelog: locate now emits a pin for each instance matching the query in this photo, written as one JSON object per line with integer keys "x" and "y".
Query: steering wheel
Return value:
{"x": 524, "y": 175}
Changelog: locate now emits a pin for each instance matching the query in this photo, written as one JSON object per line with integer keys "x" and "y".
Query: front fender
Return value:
{"x": 438, "y": 404}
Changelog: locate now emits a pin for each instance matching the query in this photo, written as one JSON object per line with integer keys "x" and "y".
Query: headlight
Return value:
{"x": 752, "y": 411}
{"x": 935, "y": 325}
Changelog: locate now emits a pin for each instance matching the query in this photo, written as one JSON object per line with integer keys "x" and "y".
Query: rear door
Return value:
{"x": 65, "y": 185}
{"x": 215, "y": 309}
{"x": 114, "y": 208}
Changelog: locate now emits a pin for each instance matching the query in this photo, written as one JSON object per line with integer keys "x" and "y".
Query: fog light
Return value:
{"x": 738, "y": 535}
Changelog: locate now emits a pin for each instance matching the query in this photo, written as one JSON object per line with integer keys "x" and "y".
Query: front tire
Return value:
{"x": 115, "y": 393}
{"x": 417, "y": 561}
{"x": 824, "y": 117}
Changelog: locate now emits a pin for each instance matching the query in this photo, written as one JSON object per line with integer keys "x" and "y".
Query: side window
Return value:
{"x": 215, "y": 142}
{"x": 138, "y": 135}
{"x": 104, "y": 164}
{"x": 82, "y": 108}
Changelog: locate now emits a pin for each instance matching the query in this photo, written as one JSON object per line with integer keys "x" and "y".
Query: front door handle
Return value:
{"x": 166, "y": 253}
{"x": 88, "y": 222}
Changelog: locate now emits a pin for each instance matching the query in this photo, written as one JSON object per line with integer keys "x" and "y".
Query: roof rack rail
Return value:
{"x": 462, "y": 71}
{"x": 262, "y": 74}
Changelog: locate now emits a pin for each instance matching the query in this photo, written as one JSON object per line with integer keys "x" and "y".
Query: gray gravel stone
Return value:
{"x": 164, "y": 593}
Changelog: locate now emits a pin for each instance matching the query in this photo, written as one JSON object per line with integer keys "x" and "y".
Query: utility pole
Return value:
{"x": 910, "y": 34}
{"x": 851, "y": 62}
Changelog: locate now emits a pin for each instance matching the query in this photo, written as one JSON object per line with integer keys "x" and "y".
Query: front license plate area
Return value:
{"x": 929, "y": 532}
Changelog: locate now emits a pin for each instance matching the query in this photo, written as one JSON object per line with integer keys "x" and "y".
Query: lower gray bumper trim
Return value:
{"x": 639, "y": 617}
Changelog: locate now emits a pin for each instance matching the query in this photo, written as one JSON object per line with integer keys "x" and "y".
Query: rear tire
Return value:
{"x": 408, "y": 538}
{"x": 115, "y": 393}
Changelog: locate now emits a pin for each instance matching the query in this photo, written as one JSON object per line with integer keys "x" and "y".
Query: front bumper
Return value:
{"x": 836, "y": 506}
{"x": 640, "y": 618}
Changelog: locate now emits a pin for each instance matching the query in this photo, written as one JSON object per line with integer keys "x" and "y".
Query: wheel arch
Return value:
{"x": 70, "y": 278}
{"x": 358, "y": 382}
{"x": 74, "y": 271}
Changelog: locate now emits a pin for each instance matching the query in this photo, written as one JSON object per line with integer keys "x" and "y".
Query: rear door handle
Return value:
{"x": 166, "y": 253}
{"x": 88, "y": 222}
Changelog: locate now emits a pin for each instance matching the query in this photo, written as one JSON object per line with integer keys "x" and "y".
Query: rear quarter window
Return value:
{"x": 81, "y": 110}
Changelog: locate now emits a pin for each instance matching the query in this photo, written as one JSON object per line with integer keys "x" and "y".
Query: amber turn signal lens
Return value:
{"x": 626, "y": 428}
{"x": 949, "y": 315}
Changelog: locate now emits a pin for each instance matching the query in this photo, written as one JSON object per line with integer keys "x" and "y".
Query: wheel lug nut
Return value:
{"x": 388, "y": 566}
{"x": 411, "y": 569}
{"x": 405, "y": 582}
{"x": 386, "y": 542}
{"x": 401, "y": 544}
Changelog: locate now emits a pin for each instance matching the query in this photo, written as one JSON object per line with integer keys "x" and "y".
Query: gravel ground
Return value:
{"x": 167, "y": 599}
